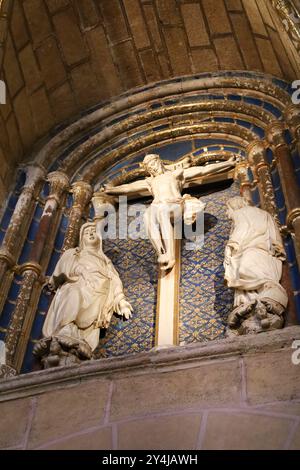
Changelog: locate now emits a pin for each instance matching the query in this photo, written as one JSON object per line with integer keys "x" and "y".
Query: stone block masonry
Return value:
{"x": 229, "y": 394}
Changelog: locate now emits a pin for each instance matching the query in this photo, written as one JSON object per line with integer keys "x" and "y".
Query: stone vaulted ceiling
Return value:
{"x": 64, "y": 56}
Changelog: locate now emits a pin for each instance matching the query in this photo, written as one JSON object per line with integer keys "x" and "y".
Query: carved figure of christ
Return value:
{"x": 165, "y": 184}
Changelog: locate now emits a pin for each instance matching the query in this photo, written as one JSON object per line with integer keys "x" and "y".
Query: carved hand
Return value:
{"x": 124, "y": 308}
{"x": 50, "y": 284}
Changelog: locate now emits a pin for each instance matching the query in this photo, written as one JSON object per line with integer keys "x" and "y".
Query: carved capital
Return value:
{"x": 6, "y": 256}
{"x": 59, "y": 182}
{"x": 292, "y": 117}
{"x": 100, "y": 200}
{"x": 275, "y": 134}
{"x": 82, "y": 193}
{"x": 241, "y": 172}
{"x": 256, "y": 152}
{"x": 31, "y": 266}
{"x": 292, "y": 216}
{"x": 34, "y": 174}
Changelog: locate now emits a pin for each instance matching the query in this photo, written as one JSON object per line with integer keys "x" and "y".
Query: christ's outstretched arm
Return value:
{"x": 195, "y": 171}
{"x": 138, "y": 187}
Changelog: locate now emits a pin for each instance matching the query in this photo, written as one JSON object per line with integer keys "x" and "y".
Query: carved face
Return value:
{"x": 235, "y": 204}
{"x": 154, "y": 165}
{"x": 90, "y": 237}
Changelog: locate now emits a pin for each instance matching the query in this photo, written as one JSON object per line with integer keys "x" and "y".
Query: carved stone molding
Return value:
{"x": 164, "y": 115}
{"x": 27, "y": 385}
{"x": 262, "y": 87}
{"x": 7, "y": 372}
{"x": 240, "y": 135}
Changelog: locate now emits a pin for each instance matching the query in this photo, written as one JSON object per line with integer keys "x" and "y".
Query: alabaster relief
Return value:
{"x": 253, "y": 262}
{"x": 165, "y": 184}
{"x": 88, "y": 292}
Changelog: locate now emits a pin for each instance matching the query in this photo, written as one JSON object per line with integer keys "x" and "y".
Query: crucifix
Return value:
{"x": 165, "y": 184}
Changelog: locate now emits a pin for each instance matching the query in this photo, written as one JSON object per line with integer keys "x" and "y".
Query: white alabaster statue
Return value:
{"x": 165, "y": 184}
{"x": 253, "y": 267}
{"x": 89, "y": 291}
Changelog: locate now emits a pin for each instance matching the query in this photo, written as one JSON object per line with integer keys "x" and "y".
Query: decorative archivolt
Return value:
{"x": 237, "y": 134}
{"x": 107, "y": 120}
{"x": 178, "y": 116}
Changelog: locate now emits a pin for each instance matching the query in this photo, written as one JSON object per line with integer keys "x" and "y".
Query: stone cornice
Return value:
{"x": 158, "y": 361}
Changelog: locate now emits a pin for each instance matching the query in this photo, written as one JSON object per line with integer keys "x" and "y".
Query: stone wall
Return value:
{"x": 228, "y": 394}
{"x": 63, "y": 56}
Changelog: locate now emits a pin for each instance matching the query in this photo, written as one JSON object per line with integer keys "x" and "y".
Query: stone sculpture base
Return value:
{"x": 62, "y": 351}
{"x": 6, "y": 371}
{"x": 255, "y": 317}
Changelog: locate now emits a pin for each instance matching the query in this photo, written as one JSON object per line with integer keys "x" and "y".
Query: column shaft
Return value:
{"x": 32, "y": 269}
{"x": 257, "y": 158}
{"x": 241, "y": 175}
{"x": 82, "y": 193}
{"x": 289, "y": 183}
{"x": 15, "y": 234}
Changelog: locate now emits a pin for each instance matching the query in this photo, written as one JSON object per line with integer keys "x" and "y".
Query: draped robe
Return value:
{"x": 89, "y": 290}
{"x": 254, "y": 268}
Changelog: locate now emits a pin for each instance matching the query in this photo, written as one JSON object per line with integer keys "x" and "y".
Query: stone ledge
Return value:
{"x": 144, "y": 363}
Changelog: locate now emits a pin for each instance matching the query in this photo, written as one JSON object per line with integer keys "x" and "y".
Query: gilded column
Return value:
{"x": 31, "y": 270}
{"x": 290, "y": 187}
{"x": 292, "y": 117}
{"x": 13, "y": 238}
{"x": 257, "y": 158}
{"x": 241, "y": 175}
{"x": 82, "y": 193}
